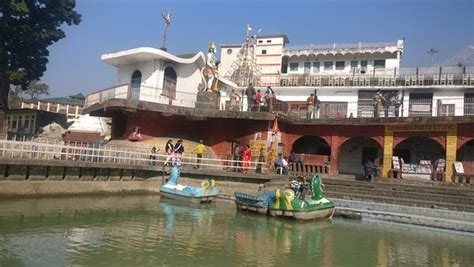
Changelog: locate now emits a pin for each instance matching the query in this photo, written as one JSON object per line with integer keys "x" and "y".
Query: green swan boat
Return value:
{"x": 315, "y": 206}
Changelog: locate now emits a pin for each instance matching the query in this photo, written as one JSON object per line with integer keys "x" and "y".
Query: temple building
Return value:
{"x": 414, "y": 122}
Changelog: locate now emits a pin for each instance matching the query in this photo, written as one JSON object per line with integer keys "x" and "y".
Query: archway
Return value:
{"x": 135, "y": 83}
{"x": 414, "y": 149}
{"x": 169, "y": 83}
{"x": 466, "y": 152}
{"x": 355, "y": 152}
{"x": 313, "y": 149}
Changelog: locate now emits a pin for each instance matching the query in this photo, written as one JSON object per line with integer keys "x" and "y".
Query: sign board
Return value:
{"x": 257, "y": 147}
{"x": 441, "y": 165}
{"x": 396, "y": 162}
{"x": 458, "y": 167}
{"x": 420, "y": 108}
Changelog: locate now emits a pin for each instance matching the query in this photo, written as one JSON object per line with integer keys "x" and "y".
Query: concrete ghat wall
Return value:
{"x": 10, "y": 188}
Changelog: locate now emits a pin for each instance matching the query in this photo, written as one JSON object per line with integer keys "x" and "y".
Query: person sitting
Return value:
{"x": 370, "y": 170}
{"x": 281, "y": 164}
{"x": 294, "y": 158}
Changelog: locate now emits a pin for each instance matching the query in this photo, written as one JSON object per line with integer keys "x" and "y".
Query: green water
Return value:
{"x": 147, "y": 231}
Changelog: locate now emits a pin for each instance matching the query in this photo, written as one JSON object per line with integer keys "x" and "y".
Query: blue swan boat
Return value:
{"x": 207, "y": 192}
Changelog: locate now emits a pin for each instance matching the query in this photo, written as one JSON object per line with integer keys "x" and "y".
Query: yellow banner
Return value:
{"x": 257, "y": 147}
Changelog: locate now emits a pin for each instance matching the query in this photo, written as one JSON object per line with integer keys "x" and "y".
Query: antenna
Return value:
{"x": 432, "y": 52}
{"x": 167, "y": 20}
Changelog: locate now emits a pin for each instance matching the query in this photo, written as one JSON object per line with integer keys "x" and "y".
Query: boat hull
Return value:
{"x": 251, "y": 208}
{"x": 193, "y": 199}
{"x": 320, "y": 214}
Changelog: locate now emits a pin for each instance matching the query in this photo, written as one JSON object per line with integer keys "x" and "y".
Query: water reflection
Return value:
{"x": 144, "y": 230}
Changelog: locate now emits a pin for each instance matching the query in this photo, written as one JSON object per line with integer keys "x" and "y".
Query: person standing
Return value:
{"x": 258, "y": 99}
{"x": 397, "y": 103}
{"x": 169, "y": 148}
{"x": 234, "y": 100}
{"x": 310, "y": 109}
{"x": 246, "y": 159}
{"x": 250, "y": 93}
{"x": 200, "y": 149}
{"x": 236, "y": 156}
{"x": 178, "y": 152}
{"x": 269, "y": 96}
{"x": 153, "y": 156}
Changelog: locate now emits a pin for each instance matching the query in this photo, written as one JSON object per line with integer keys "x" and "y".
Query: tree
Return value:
{"x": 14, "y": 98}
{"x": 36, "y": 88}
{"x": 27, "y": 29}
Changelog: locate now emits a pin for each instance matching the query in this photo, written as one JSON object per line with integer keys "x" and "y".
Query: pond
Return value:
{"x": 149, "y": 231}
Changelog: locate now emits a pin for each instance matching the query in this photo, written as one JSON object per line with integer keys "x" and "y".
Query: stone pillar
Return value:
{"x": 451, "y": 145}
{"x": 387, "y": 151}
{"x": 335, "y": 146}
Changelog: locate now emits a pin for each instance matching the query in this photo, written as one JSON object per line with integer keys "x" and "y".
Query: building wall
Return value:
{"x": 228, "y": 55}
{"x": 391, "y": 62}
{"x": 268, "y": 54}
{"x": 188, "y": 79}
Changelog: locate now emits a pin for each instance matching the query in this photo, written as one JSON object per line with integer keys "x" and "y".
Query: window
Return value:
{"x": 294, "y": 66}
{"x": 316, "y": 66}
{"x": 447, "y": 110}
{"x": 307, "y": 67}
{"x": 420, "y": 104}
{"x": 14, "y": 123}
{"x": 269, "y": 41}
{"x": 354, "y": 64}
{"x": 135, "y": 81}
{"x": 468, "y": 104}
{"x": 264, "y": 51}
{"x": 379, "y": 64}
{"x": 229, "y": 51}
{"x": 328, "y": 65}
{"x": 340, "y": 65}
{"x": 363, "y": 66}
{"x": 260, "y": 41}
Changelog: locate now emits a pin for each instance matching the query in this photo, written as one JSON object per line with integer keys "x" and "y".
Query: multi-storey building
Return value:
{"x": 436, "y": 105}
{"x": 70, "y": 106}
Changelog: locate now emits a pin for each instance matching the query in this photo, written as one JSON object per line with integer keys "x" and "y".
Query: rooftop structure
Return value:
{"x": 70, "y": 106}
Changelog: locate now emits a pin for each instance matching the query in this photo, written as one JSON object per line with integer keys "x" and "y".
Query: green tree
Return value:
{"x": 27, "y": 29}
{"x": 36, "y": 88}
{"x": 14, "y": 98}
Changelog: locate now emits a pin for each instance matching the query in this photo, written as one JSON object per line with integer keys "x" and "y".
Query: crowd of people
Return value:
{"x": 256, "y": 101}
{"x": 241, "y": 157}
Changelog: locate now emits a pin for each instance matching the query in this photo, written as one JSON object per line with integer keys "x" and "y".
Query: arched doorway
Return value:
{"x": 135, "y": 82}
{"x": 466, "y": 152}
{"x": 169, "y": 84}
{"x": 312, "y": 149}
{"x": 414, "y": 149}
{"x": 355, "y": 152}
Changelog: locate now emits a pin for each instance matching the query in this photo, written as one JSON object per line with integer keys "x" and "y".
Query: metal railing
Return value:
{"x": 88, "y": 152}
{"x": 341, "y": 46}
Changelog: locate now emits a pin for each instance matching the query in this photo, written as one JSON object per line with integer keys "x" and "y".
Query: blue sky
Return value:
{"x": 113, "y": 25}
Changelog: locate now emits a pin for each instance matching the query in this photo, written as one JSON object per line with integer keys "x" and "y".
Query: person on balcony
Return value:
{"x": 178, "y": 153}
{"x": 396, "y": 103}
{"x": 269, "y": 96}
{"x": 246, "y": 159}
{"x": 250, "y": 93}
{"x": 258, "y": 100}
{"x": 310, "y": 103}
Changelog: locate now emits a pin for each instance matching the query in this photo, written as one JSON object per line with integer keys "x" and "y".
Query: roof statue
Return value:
{"x": 167, "y": 20}
{"x": 210, "y": 70}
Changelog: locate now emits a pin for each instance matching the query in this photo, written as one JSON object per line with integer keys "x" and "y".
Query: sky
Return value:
{"x": 113, "y": 25}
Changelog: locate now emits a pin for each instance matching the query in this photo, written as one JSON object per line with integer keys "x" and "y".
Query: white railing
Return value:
{"x": 119, "y": 91}
{"x": 84, "y": 152}
{"x": 341, "y": 46}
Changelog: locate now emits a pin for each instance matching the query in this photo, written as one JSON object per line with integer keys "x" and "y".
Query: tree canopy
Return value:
{"x": 27, "y": 29}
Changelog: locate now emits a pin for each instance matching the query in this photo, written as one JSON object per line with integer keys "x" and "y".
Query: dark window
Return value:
{"x": 264, "y": 52}
{"x": 328, "y": 65}
{"x": 379, "y": 64}
{"x": 468, "y": 104}
{"x": 340, "y": 65}
{"x": 316, "y": 66}
{"x": 307, "y": 67}
{"x": 135, "y": 84}
{"x": 269, "y": 41}
{"x": 169, "y": 83}
{"x": 229, "y": 51}
{"x": 260, "y": 41}
{"x": 294, "y": 66}
{"x": 354, "y": 64}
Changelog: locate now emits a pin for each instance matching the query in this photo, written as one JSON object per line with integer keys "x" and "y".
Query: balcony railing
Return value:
{"x": 411, "y": 77}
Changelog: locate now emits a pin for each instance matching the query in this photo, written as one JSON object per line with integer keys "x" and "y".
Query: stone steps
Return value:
{"x": 401, "y": 201}
{"x": 443, "y": 198}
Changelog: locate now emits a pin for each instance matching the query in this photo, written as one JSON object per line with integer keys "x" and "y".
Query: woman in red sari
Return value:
{"x": 246, "y": 159}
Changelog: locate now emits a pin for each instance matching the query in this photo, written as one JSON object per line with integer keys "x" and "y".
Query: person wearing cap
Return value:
{"x": 199, "y": 150}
